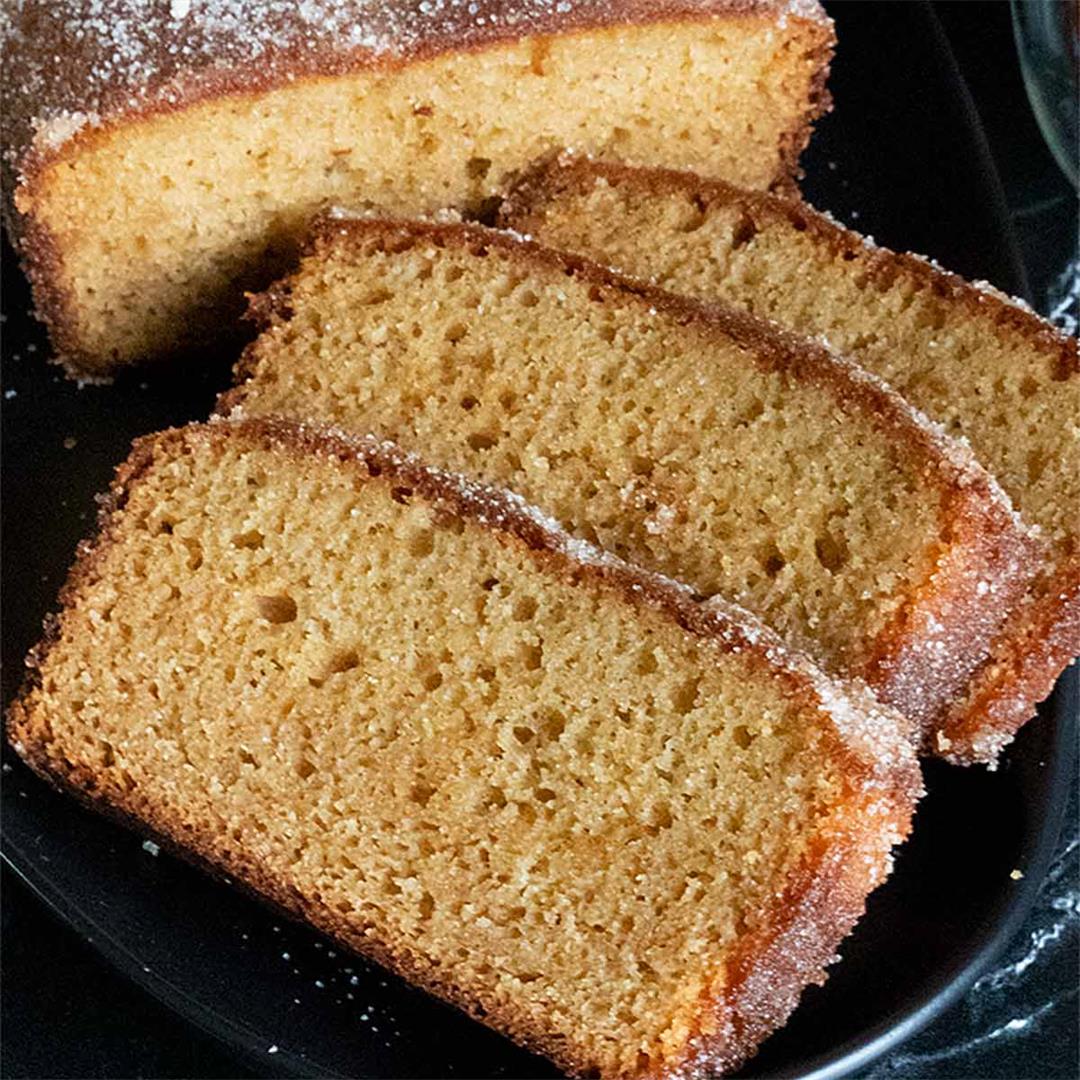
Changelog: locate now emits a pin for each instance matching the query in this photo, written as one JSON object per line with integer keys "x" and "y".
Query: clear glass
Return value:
{"x": 1048, "y": 41}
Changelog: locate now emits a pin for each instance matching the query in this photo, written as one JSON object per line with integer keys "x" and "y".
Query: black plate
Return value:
{"x": 903, "y": 157}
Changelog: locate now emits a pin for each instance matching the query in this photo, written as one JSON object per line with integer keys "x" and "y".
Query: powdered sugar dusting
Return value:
{"x": 992, "y": 290}
{"x": 56, "y": 131}
{"x": 444, "y": 215}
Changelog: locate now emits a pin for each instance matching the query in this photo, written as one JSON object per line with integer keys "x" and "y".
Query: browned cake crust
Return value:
{"x": 1042, "y": 636}
{"x": 849, "y": 854}
{"x": 1038, "y": 643}
{"x": 925, "y": 657}
{"x": 121, "y": 66}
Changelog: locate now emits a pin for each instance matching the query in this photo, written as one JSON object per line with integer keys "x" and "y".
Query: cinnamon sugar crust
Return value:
{"x": 120, "y": 60}
{"x": 1021, "y": 363}
{"x": 756, "y": 986}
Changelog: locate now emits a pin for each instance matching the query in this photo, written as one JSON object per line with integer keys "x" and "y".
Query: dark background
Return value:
{"x": 65, "y": 1012}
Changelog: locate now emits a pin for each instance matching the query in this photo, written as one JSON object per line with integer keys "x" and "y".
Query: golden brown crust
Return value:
{"x": 1043, "y": 635}
{"x": 973, "y": 582}
{"x": 817, "y": 906}
{"x": 54, "y": 304}
{"x": 1026, "y": 659}
{"x": 159, "y": 65}
{"x": 795, "y": 141}
{"x": 925, "y": 657}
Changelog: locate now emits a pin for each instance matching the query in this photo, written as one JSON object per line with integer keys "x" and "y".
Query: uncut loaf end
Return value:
{"x": 176, "y": 155}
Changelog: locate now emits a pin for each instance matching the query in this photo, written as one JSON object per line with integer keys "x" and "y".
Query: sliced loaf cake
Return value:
{"x": 160, "y": 158}
{"x": 621, "y": 828}
{"x": 985, "y": 367}
{"x": 692, "y": 440}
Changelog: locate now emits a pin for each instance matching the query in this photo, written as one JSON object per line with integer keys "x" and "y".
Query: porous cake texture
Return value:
{"x": 692, "y": 440}
{"x": 617, "y": 826}
{"x": 984, "y": 366}
{"x": 173, "y": 154}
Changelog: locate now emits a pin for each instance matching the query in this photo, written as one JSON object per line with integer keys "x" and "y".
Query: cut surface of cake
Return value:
{"x": 553, "y": 789}
{"x": 977, "y": 362}
{"x": 174, "y": 156}
{"x": 695, "y": 441}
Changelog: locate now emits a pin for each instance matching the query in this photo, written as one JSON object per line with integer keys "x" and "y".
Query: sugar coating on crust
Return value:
{"x": 122, "y": 56}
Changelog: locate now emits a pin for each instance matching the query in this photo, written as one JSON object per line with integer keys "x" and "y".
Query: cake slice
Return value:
{"x": 621, "y": 828}
{"x": 984, "y": 366}
{"x": 692, "y": 440}
{"x": 164, "y": 157}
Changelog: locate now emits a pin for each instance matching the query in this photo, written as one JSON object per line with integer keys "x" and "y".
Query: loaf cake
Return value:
{"x": 166, "y": 156}
{"x": 694, "y": 441}
{"x": 617, "y": 826}
{"x": 987, "y": 368}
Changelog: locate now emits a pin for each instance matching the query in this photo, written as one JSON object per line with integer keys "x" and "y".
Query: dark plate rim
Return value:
{"x": 1062, "y": 710}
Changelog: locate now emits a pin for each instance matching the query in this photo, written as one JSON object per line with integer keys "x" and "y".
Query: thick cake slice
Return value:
{"x": 553, "y": 789}
{"x": 980, "y": 364}
{"x": 174, "y": 153}
{"x": 695, "y": 441}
